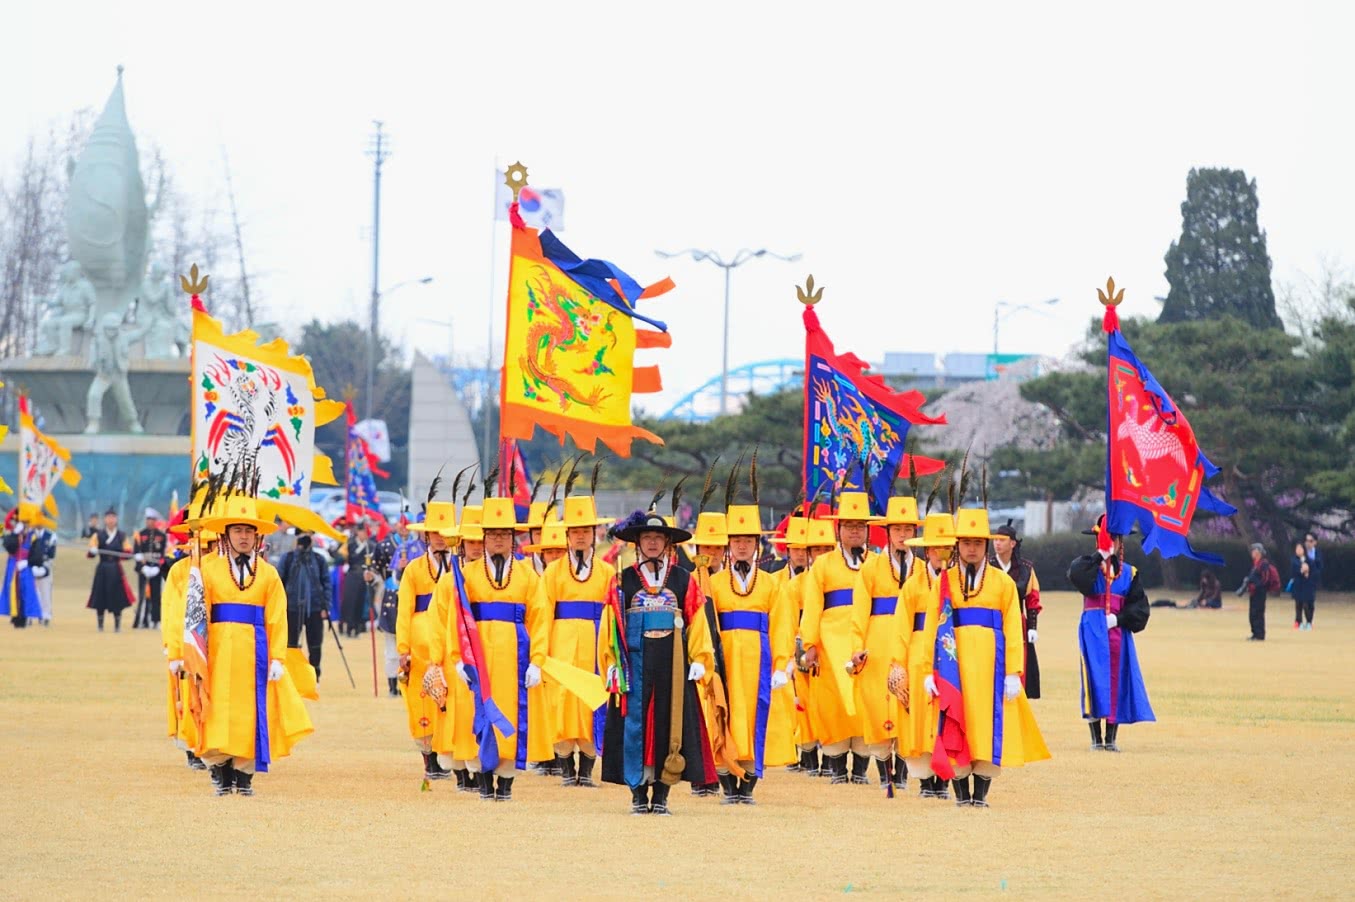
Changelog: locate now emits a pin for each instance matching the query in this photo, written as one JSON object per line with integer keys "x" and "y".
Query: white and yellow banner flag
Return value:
{"x": 42, "y": 464}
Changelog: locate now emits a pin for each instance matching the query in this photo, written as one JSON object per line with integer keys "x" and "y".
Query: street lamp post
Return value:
{"x": 1014, "y": 308}
{"x": 740, "y": 258}
{"x": 372, "y": 334}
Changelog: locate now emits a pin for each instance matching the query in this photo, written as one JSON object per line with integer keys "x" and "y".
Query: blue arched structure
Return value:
{"x": 763, "y": 377}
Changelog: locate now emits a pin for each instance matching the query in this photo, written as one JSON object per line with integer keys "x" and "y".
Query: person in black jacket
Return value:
{"x": 1114, "y": 607}
{"x": 306, "y": 579}
{"x": 148, "y": 551}
{"x": 1304, "y": 572}
{"x": 1260, "y": 582}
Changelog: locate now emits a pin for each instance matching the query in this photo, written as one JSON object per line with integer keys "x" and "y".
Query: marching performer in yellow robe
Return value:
{"x": 757, "y": 634}
{"x": 453, "y": 737}
{"x": 999, "y": 726}
{"x": 781, "y": 721}
{"x": 182, "y": 729}
{"x": 817, "y": 540}
{"x": 502, "y": 599}
{"x": 917, "y": 603}
{"x": 256, "y": 713}
{"x": 414, "y": 624}
{"x": 709, "y": 542}
{"x": 833, "y": 630}
{"x": 884, "y": 575}
{"x": 572, "y": 594}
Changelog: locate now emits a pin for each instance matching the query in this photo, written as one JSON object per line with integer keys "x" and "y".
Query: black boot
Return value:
{"x": 962, "y": 797}
{"x": 639, "y": 800}
{"x": 432, "y": 770}
{"x": 552, "y": 768}
{"x": 243, "y": 782}
{"x": 882, "y": 771}
{"x": 860, "y": 763}
{"x": 472, "y": 783}
{"x": 568, "y": 776}
{"x": 900, "y": 772}
{"x": 940, "y": 788}
{"x": 658, "y": 803}
{"x": 1098, "y": 744}
{"x": 730, "y": 784}
{"x": 485, "y": 782}
{"x": 394, "y": 684}
{"x": 222, "y": 778}
{"x": 837, "y": 768}
{"x": 191, "y": 759}
{"x": 586, "y": 771}
{"x": 746, "y": 790}
{"x": 460, "y": 780}
{"x": 1111, "y": 730}
{"x": 505, "y": 793}
{"x": 981, "y": 787}
{"x": 809, "y": 762}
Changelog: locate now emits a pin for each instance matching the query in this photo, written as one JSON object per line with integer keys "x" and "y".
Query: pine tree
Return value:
{"x": 1219, "y": 266}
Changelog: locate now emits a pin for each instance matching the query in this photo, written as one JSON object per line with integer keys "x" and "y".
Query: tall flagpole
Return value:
{"x": 489, "y": 318}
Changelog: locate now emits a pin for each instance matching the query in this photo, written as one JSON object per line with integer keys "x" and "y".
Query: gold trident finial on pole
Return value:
{"x": 1109, "y": 297}
{"x": 808, "y": 296}
{"x": 191, "y": 284}
{"x": 515, "y": 177}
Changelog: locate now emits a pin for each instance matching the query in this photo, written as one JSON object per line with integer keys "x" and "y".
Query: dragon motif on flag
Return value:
{"x": 559, "y": 322}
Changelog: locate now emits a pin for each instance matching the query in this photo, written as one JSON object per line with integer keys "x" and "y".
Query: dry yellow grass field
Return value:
{"x": 1243, "y": 788}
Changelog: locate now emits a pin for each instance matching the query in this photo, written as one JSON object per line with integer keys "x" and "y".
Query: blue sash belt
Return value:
{"x": 252, "y": 615}
{"x": 992, "y": 620}
{"x": 886, "y": 605}
{"x": 836, "y": 598}
{"x": 919, "y": 621}
{"x": 578, "y": 610}
{"x": 515, "y": 613}
{"x": 421, "y": 602}
{"x": 758, "y": 622}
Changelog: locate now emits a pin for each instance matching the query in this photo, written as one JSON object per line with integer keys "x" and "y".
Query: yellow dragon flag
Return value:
{"x": 255, "y": 410}
{"x": 568, "y": 363}
{"x": 42, "y": 464}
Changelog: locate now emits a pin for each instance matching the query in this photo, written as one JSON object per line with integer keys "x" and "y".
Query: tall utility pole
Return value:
{"x": 742, "y": 257}
{"x": 378, "y": 151}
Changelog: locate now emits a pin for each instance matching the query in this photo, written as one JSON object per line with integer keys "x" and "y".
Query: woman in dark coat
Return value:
{"x": 110, "y": 591}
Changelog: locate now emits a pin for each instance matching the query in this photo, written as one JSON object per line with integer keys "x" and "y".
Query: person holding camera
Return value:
{"x": 306, "y": 580}
{"x": 1260, "y": 582}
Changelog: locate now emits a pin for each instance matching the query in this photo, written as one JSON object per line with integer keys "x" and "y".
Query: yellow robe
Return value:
{"x": 745, "y": 669}
{"x": 574, "y": 640}
{"x": 412, "y": 630}
{"x": 172, "y": 600}
{"x": 838, "y": 632}
{"x": 976, "y": 652}
{"x": 881, "y": 713}
{"x": 452, "y": 734}
{"x": 505, "y": 670}
{"x": 793, "y": 594}
{"x": 917, "y": 734}
{"x": 230, "y": 722}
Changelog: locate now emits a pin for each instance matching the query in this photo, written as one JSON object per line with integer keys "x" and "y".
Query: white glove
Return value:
{"x": 139, "y": 557}
{"x": 152, "y": 572}
{"x": 461, "y": 672}
{"x": 790, "y": 669}
{"x": 1011, "y": 687}
{"x": 697, "y": 671}
{"x": 1032, "y": 636}
{"x": 779, "y": 679}
{"x": 532, "y": 678}
{"x": 39, "y": 572}
{"x": 275, "y": 671}
{"x": 1112, "y": 621}
{"x": 175, "y": 666}
{"x": 929, "y": 685}
{"x": 23, "y": 565}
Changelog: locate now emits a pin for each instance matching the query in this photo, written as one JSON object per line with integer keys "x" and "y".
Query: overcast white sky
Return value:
{"x": 927, "y": 160}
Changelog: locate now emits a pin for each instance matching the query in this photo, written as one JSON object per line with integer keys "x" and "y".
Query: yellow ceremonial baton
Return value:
{"x": 576, "y": 681}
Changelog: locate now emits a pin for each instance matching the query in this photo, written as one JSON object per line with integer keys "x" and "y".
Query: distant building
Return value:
{"x": 929, "y": 370}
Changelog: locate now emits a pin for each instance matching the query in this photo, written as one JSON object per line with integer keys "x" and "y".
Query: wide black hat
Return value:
{"x": 629, "y": 529}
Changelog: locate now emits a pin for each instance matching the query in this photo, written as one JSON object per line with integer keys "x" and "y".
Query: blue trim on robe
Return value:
{"x": 758, "y": 621}
{"x": 252, "y": 615}
{"x": 987, "y": 617}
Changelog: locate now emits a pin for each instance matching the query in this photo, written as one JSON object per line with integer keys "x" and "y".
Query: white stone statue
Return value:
{"x": 108, "y": 357}
{"x": 69, "y": 309}
{"x": 158, "y": 324}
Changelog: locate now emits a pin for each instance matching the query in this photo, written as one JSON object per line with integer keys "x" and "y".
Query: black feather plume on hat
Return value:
{"x": 732, "y": 483}
{"x": 708, "y": 488}
{"x": 675, "y": 496}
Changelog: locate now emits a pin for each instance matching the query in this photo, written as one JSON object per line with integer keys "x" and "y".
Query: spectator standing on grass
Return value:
{"x": 1305, "y": 569}
{"x": 306, "y": 579}
{"x": 1260, "y": 582}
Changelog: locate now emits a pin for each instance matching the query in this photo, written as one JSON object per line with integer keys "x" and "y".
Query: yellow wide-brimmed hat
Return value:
{"x": 710, "y": 529}
{"x": 536, "y": 516}
{"x": 234, "y": 511}
{"x": 743, "y": 520}
{"x": 440, "y": 517}
{"x": 552, "y": 536}
{"x": 469, "y": 530}
{"x": 797, "y": 531}
{"x": 498, "y": 513}
{"x": 820, "y": 534}
{"x": 902, "y": 511}
{"x": 192, "y": 522}
{"x": 852, "y": 506}
{"x": 581, "y": 510}
{"x": 972, "y": 523}
{"x": 938, "y": 531}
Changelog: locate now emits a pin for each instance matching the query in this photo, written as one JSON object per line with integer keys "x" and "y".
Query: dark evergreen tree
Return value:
{"x": 1219, "y": 266}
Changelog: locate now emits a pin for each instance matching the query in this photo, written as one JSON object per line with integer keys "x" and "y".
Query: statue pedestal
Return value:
{"x": 57, "y": 387}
